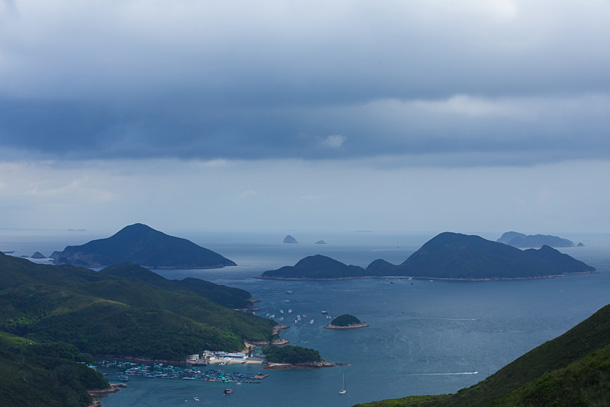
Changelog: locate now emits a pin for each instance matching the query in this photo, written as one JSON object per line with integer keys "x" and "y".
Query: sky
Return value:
{"x": 290, "y": 115}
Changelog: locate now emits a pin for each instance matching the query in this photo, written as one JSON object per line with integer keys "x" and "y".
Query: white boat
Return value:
{"x": 311, "y": 322}
{"x": 343, "y": 390}
{"x": 196, "y": 398}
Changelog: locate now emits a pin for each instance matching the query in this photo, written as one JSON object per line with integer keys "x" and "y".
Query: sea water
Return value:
{"x": 424, "y": 337}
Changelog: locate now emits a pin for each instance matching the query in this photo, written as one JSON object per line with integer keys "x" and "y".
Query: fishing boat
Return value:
{"x": 228, "y": 391}
{"x": 196, "y": 398}
{"x": 343, "y": 390}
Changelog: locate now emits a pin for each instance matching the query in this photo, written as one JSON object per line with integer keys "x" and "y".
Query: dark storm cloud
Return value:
{"x": 286, "y": 79}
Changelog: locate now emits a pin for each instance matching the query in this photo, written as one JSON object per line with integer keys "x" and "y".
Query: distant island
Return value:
{"x": 290, "y": 239}
{"x": 346, "y": 321}
{"x": 317, "y": 267}
{"x": 38, "y": 255}
{"x": 523, "y": 241}
{"x": 143, "y": 245}
{"x": 447, "y": 256}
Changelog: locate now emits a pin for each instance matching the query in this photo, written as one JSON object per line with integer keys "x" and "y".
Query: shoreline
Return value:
{"x": 99, "y": 393}
{"x": 274, "y": 331}
{"x": 429, "y": 278}
{"x": 354, "y": 326}
{"x": 289, "y": 366}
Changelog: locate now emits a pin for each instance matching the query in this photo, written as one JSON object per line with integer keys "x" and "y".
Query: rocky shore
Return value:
{"x": 279, "y": 341}
{"x": 353, "y": 326}
{"x": 99, "y": 393}
{"x": 285, "y": 366}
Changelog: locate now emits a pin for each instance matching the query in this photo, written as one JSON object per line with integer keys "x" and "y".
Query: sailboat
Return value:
{"x": 343, "y": 391}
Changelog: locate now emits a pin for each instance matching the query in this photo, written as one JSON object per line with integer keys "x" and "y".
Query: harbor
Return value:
{"x": 123, "y": 371}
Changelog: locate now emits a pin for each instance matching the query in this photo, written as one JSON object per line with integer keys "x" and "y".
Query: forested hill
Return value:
{"x": 124, "y": 310}
{"x": 142, "y": 245}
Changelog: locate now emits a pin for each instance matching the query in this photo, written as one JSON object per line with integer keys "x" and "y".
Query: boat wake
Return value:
{"x": 447, "y": 319}
{"x": 445, "y": 374}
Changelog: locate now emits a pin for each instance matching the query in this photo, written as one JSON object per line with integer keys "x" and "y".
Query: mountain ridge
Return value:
{"x": 448, "y": 256}
{"x": 142, "y": 245}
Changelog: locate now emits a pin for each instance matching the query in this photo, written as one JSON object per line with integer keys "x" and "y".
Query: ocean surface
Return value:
{"x": 424, "y": 337}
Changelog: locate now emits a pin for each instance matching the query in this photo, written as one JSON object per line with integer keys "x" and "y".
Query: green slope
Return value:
{"x": 133, "y": 312}
{"x": 44, "y": 375}
{"x": 226, "y": 296}
{"x": 571, "y": 370}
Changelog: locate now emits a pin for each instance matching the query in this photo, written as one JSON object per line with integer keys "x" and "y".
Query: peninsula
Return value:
{"x": 125, "y": 311}
{"x": 53, "y": 318}
{"x": 293, "y": 357}
{"x": 143, "y": 245}
{"x": 447, "y": 256}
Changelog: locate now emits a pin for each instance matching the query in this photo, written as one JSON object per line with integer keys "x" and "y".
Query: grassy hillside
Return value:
{"x": 126, "y": 310}
{"x": 291, "y": 354}
{"x": 571, "y": 370}
{"x": 44, "y": 375}
{"x": 226, "y": 296}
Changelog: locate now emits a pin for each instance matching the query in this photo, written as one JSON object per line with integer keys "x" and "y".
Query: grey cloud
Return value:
{"x": 272, "y": 79}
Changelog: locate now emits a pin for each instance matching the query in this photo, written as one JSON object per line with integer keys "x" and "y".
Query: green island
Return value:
{"x": 124, "y": 311}
{"x": 570, "y": 370}
{"x": 290, "y": 356}
{"x": 143, "y": 245}
{"x": 447, "y": 256}
{"x": 346, "y": 321}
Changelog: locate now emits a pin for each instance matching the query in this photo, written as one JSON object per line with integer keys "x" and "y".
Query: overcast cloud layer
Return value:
{"x": 432, "y": 115}
{"x": 306, "y": 79}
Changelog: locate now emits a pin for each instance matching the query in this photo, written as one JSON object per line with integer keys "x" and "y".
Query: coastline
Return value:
{"x": 287, "y": 366}
{"x": 354, "y": 326}
{"x": 99, "y": 393}
{"x": 274, "y": 331}
{"x": 429, "y": 278}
